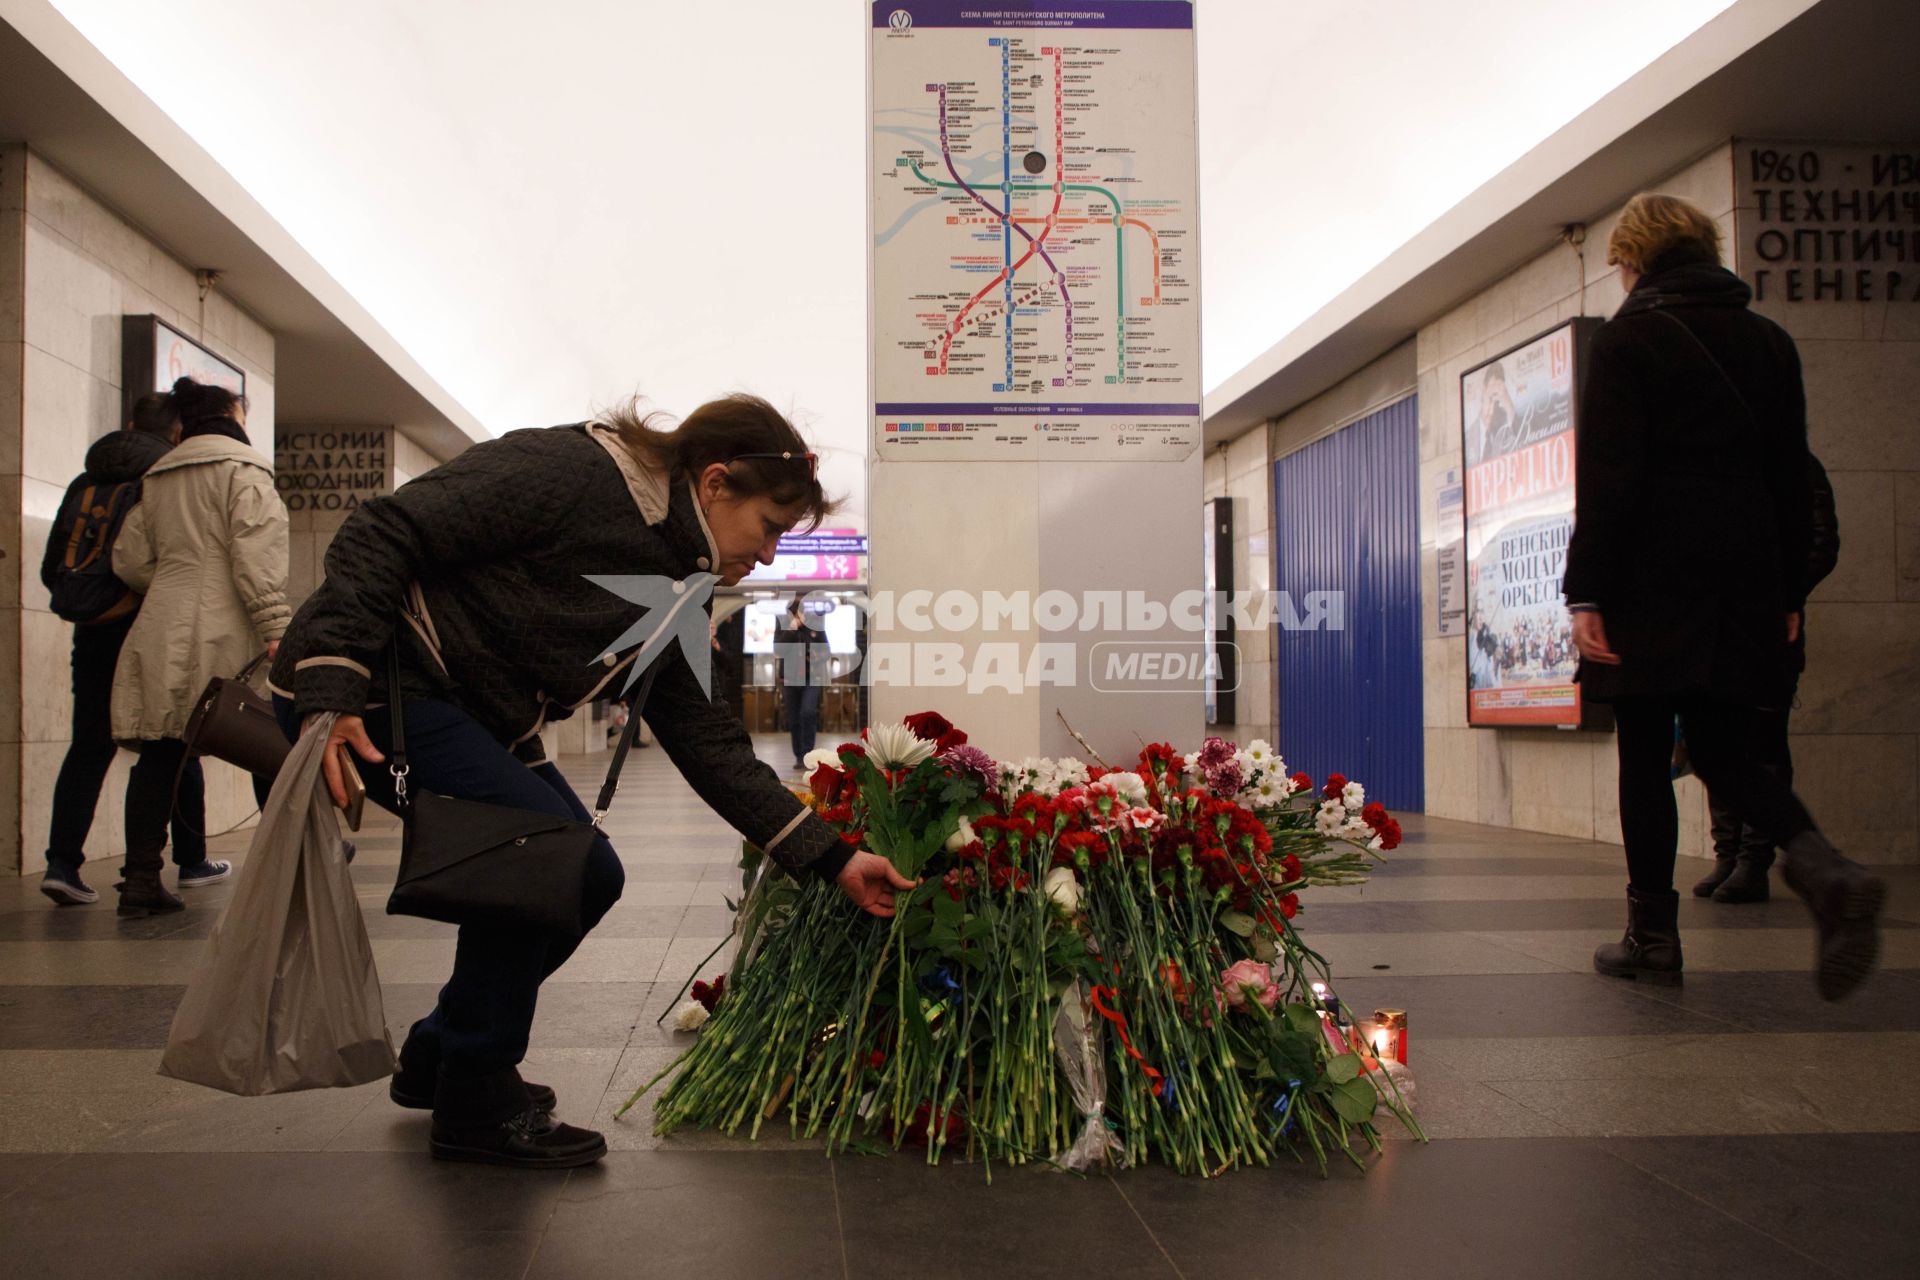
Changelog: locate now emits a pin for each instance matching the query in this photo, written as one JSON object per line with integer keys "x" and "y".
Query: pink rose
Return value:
{"x": 1249, "y": 976}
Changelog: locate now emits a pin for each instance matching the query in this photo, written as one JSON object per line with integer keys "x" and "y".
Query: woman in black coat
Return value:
{"x": 479, "y": 576}
{"x": 1686, "y": 573}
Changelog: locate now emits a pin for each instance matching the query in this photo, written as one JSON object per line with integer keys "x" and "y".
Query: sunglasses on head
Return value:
{"x": 811, "y": 459}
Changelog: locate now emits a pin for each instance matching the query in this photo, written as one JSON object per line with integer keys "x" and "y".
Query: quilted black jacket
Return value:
{"x": 478, "y": 567}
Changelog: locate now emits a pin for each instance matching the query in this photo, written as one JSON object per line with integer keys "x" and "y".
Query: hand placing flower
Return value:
{"x": 869, "y": 881}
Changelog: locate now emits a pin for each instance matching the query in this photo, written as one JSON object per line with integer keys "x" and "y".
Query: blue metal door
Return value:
{"x": 1348, "y": 669}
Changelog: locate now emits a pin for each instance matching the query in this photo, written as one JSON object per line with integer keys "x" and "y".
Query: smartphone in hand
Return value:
{"x": 356, "y": 789}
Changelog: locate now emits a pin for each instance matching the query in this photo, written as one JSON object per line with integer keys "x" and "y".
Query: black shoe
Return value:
{"x": 1650, "y": 951}
{"x": 64, "y": 885}
{"x": 1722, "y": 868}
{"x": 531, "y": 1140}
{"x": 1846, "y": 900}
{"x": 142, "y": 894}
{"x": 406, "y": 1092}
{"x": 1748, "y": 883}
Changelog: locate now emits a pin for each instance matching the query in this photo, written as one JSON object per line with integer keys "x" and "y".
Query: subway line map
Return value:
{"x": 1035, "y": 272}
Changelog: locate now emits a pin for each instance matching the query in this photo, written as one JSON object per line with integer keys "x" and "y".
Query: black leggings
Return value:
{"x": 1719, "y": 735}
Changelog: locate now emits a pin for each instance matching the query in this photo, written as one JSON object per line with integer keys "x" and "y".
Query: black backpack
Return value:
{"x": 84, "y": 588}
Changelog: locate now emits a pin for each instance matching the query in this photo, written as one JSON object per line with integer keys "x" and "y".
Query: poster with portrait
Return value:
{"x": 1517, "y": 416}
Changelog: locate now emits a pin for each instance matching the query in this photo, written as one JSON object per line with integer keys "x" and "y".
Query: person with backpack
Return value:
{"x": 77, "y": 571}
{"x": 1742, "y": 854}
{"x": 207, "y": 545}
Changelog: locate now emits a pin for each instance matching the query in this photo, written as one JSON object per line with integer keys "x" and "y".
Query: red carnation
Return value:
{"x": 1301, "y": 782}
{"x": 854, "y": 749}
{"x": 708, "y": 994}
{"x": 1336, "y": 783}
{"x": 1290, "y": 868}
{"x": 930, "y": 726}
{"x": 948, "y": 741}
{"x": 825, "y": 783}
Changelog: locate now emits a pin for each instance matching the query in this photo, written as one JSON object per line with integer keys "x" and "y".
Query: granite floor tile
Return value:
{"x": 311, "y": 1214}
{"x": 902, "y": 1216}
{"x": 1525, "y": 1004}
{"x": 1647, "y": 1059}
{"x": 695, "y": 1214}
{"x": 1846, "y": 1199}
{"x": 1708, "y": 951}
{"x": 1348, "y": 955}
{"x": 86, "y": 1017}
{"x": 1470, "y": 1209}
{"x": 1788, "y": 1001}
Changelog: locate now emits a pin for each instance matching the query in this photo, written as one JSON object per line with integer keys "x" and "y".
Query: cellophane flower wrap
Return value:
{"x": 1097, "y": 965}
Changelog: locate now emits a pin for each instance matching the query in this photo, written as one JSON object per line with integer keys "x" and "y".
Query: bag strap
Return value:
{"x": 1718, "y": 368}
{"x": 246, "y": 672}
{"x": 397, "y": 757}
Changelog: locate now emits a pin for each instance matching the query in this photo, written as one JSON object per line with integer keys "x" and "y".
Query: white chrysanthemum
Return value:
{"x": 1260, "y": 751}
{"x": 962, "y": 837}
{"x": 690, "y": 1016}
{"x": 1354, "y": 796}
{"x": 1130, "y": 787}
{"x": 822, "y": 755}
{"x": 1331, "y": 816}
{"x": 894, "y": 746}
{"x": 1069, "y": 772}
{"x": 1356, "y": 829}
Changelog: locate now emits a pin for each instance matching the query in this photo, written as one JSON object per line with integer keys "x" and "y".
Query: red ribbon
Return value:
{"x": 1119, "y": 1021}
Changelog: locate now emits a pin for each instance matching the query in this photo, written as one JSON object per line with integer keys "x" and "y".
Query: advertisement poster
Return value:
{"x": 1034, "y": 209}
{"x": 1517, "y": 418}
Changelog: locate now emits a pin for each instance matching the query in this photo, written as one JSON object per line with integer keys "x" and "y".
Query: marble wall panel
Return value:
{"x": 1864, "y": 791}
{"x": 1868, "y": 510}
{"x": 1860, "y": 401}
{"x": 1863, "y": 670}
{"x": 1906, "y": 520}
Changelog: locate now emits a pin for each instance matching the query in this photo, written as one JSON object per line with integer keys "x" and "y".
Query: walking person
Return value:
{"x": 77, "y": 571}
{"x": 1742, "y": 854}
{"x": 802, "y": 671}
{"x": 1686, "y": 576}
{"x": 474, "y": 579}
{"x": 207, "y": 547}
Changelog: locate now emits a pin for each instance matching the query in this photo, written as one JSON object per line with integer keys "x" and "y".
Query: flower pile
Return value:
{"x": 1096, "y": 964}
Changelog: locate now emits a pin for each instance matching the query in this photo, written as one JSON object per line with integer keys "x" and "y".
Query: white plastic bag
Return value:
{"x": 286, "y": 996}
{"x": 1083, "y": 1060}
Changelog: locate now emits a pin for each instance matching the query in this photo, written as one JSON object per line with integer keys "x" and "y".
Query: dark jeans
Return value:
{"x": 478, "y": 1030}
{"x": 1733, "y": 835}
{"x": 152, "y": 803}
{"x": 803, "y": 717}
{"x": 1719, "y": 737}
{"x": 76, "y": 792}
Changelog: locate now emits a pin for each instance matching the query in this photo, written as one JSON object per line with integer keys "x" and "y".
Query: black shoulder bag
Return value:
{"x": 466, "y": 862}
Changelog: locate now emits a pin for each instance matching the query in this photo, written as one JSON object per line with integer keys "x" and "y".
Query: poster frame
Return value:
{"x": 1587, "y": 715}
{"x": 139, "y": 343}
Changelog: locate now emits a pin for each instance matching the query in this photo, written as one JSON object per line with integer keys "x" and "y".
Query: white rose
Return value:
{"x": 822, "y": 755}
{"x": 1064, "y": 888}
{"x": 1355, "y": 796}
{"x": 690, "y": 1016}
{"x": 962, "y": 837}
